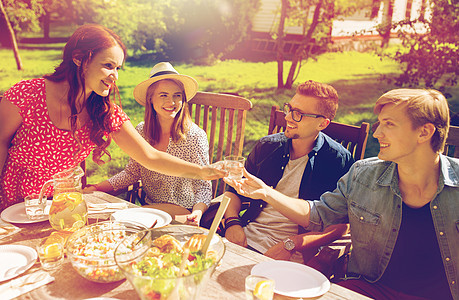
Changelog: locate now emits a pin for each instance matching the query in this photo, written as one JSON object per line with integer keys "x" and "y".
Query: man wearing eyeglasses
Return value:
{"x": 303, "y": 162}
{"x": 402, "y": 206}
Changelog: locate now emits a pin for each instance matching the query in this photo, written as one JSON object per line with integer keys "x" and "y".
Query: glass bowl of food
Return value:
{"x": 168, "y": 262}
{"x": 91, "y": 249}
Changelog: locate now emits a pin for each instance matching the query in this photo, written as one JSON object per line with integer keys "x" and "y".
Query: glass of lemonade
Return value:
{"x": 259, "y": 288}
{"x": 51, "y": 251}
{"x": 234, "y": 165}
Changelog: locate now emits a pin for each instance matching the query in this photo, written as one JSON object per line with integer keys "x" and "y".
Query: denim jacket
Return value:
{"x": 328, "y": 161}
{"x": 368, "y": 197}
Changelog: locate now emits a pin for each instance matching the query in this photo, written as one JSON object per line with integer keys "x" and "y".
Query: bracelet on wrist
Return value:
{"x": 231, "y": 218}
{"x": 232, "y": 223}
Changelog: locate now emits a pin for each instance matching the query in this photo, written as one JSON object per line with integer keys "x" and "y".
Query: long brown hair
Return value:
{"x": 83, "y": 45}
{"x": 182, "y": 120}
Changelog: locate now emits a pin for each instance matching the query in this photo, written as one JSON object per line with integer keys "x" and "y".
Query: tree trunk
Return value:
{"x": 12, "y": 37}
{"x": 46, "y": 25}
{"x": 387, "y": 22}
{"x": 298, "y": 56}
{"x": 280, "y": 46}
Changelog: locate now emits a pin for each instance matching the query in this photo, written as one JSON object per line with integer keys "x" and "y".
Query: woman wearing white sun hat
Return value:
{"x": 168, "y": 127}
{"x": 53, "y": 123}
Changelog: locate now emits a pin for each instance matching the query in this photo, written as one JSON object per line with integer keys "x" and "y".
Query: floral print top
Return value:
{"x": 162, "y": 188}
{"x": 39, "y": 149}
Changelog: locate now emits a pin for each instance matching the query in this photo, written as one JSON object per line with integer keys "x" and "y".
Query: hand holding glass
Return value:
{"x": 234, "y": 165}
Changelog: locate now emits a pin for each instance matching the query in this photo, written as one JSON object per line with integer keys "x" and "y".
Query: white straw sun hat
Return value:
{"x": 165, "y": 70}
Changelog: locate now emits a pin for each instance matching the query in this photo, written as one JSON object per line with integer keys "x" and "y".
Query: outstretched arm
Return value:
{"x": 131, "y": 142}
{"x": 297, "y": 210}
{"x": 308, "y": 243}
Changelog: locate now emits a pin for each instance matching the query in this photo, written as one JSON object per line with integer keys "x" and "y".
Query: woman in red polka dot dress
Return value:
{"x": 53, "y": 123}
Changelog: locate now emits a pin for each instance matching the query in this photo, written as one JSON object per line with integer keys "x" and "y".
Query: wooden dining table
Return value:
{"x": 227, "y": 282}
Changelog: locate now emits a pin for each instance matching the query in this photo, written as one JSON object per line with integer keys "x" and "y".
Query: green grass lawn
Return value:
{"x": 356, "y": 76}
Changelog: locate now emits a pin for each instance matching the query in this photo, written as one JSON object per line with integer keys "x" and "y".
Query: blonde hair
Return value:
{"x": 422, "y": 107}
{"x": 182, "y": 120}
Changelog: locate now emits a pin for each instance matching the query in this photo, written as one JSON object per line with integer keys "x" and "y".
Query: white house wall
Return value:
{"x": 359, "y": 24}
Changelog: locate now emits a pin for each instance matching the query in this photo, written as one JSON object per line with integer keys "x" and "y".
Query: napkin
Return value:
{"x": 105, "y": 207}
{"x": 104, "y": 210}
{"x": 24, "y": 284}
{"x": 7, "y": 229}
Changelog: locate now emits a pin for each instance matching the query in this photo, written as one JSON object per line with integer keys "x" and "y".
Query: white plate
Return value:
{"x": 293, "y": 279}
{"x": 143, "y": 215}
{"x": 16, "y": 259}
{"x": 101, "y": 298}
{"x": 16, "y": 214}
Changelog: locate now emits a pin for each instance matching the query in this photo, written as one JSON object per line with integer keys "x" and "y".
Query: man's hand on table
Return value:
{"x": 278, "y": 252}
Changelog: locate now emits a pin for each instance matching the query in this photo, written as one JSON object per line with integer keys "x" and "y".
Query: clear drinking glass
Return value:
{"x": 259, "y": 288}
{"x": 34, "y": 206}
{"x": 234, "y": 166}
{"x": 51, "y": 251}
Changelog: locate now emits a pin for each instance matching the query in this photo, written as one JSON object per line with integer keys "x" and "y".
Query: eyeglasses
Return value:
{"x": 298, "y": 116}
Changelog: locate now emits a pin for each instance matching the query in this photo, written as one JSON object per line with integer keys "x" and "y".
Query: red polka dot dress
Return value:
{"x": 39, "y": 149}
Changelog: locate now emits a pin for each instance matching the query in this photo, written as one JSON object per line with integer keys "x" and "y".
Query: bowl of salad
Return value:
{"x": 168, "y": 262}
{"x": 91, "y": 249}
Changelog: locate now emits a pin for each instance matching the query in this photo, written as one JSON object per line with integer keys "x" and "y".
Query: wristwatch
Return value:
{"x": 289, "y": 245}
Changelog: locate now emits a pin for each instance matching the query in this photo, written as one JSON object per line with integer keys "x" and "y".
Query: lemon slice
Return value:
{"x": 62, "y": 223}
{"x": 77, "y": 225}
{"x": 59, "y": 198}
{"x": 77, "y": 217}
{"x": 52, "y": 251}
{"x": 264, "y": 290}
{"x": 75, "y": 197}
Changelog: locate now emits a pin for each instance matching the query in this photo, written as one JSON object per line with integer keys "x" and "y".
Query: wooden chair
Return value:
{"x": 353, "y": 138}
{"x": 222, "y": 117}
{"x": 452, "y": 142}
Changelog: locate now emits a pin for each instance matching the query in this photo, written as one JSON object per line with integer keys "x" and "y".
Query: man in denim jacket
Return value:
{"x": 403, "y": 208}
{"x": 304, "y": 163}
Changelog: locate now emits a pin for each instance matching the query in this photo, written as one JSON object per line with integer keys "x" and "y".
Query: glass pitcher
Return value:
{"x": 68, "y": 210}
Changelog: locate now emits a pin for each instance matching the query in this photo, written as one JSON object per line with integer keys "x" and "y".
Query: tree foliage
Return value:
{"x": 24, "y": 14}
{"x": 189, "y": 30}
{"x": 175, "y": 29}
{"x": 315, "y": 17}
{"x": 430, "y": 47}
{"x": 12, "y": 38}
{"x": 210, "y": 28}
{"x": 140, "y": 23}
